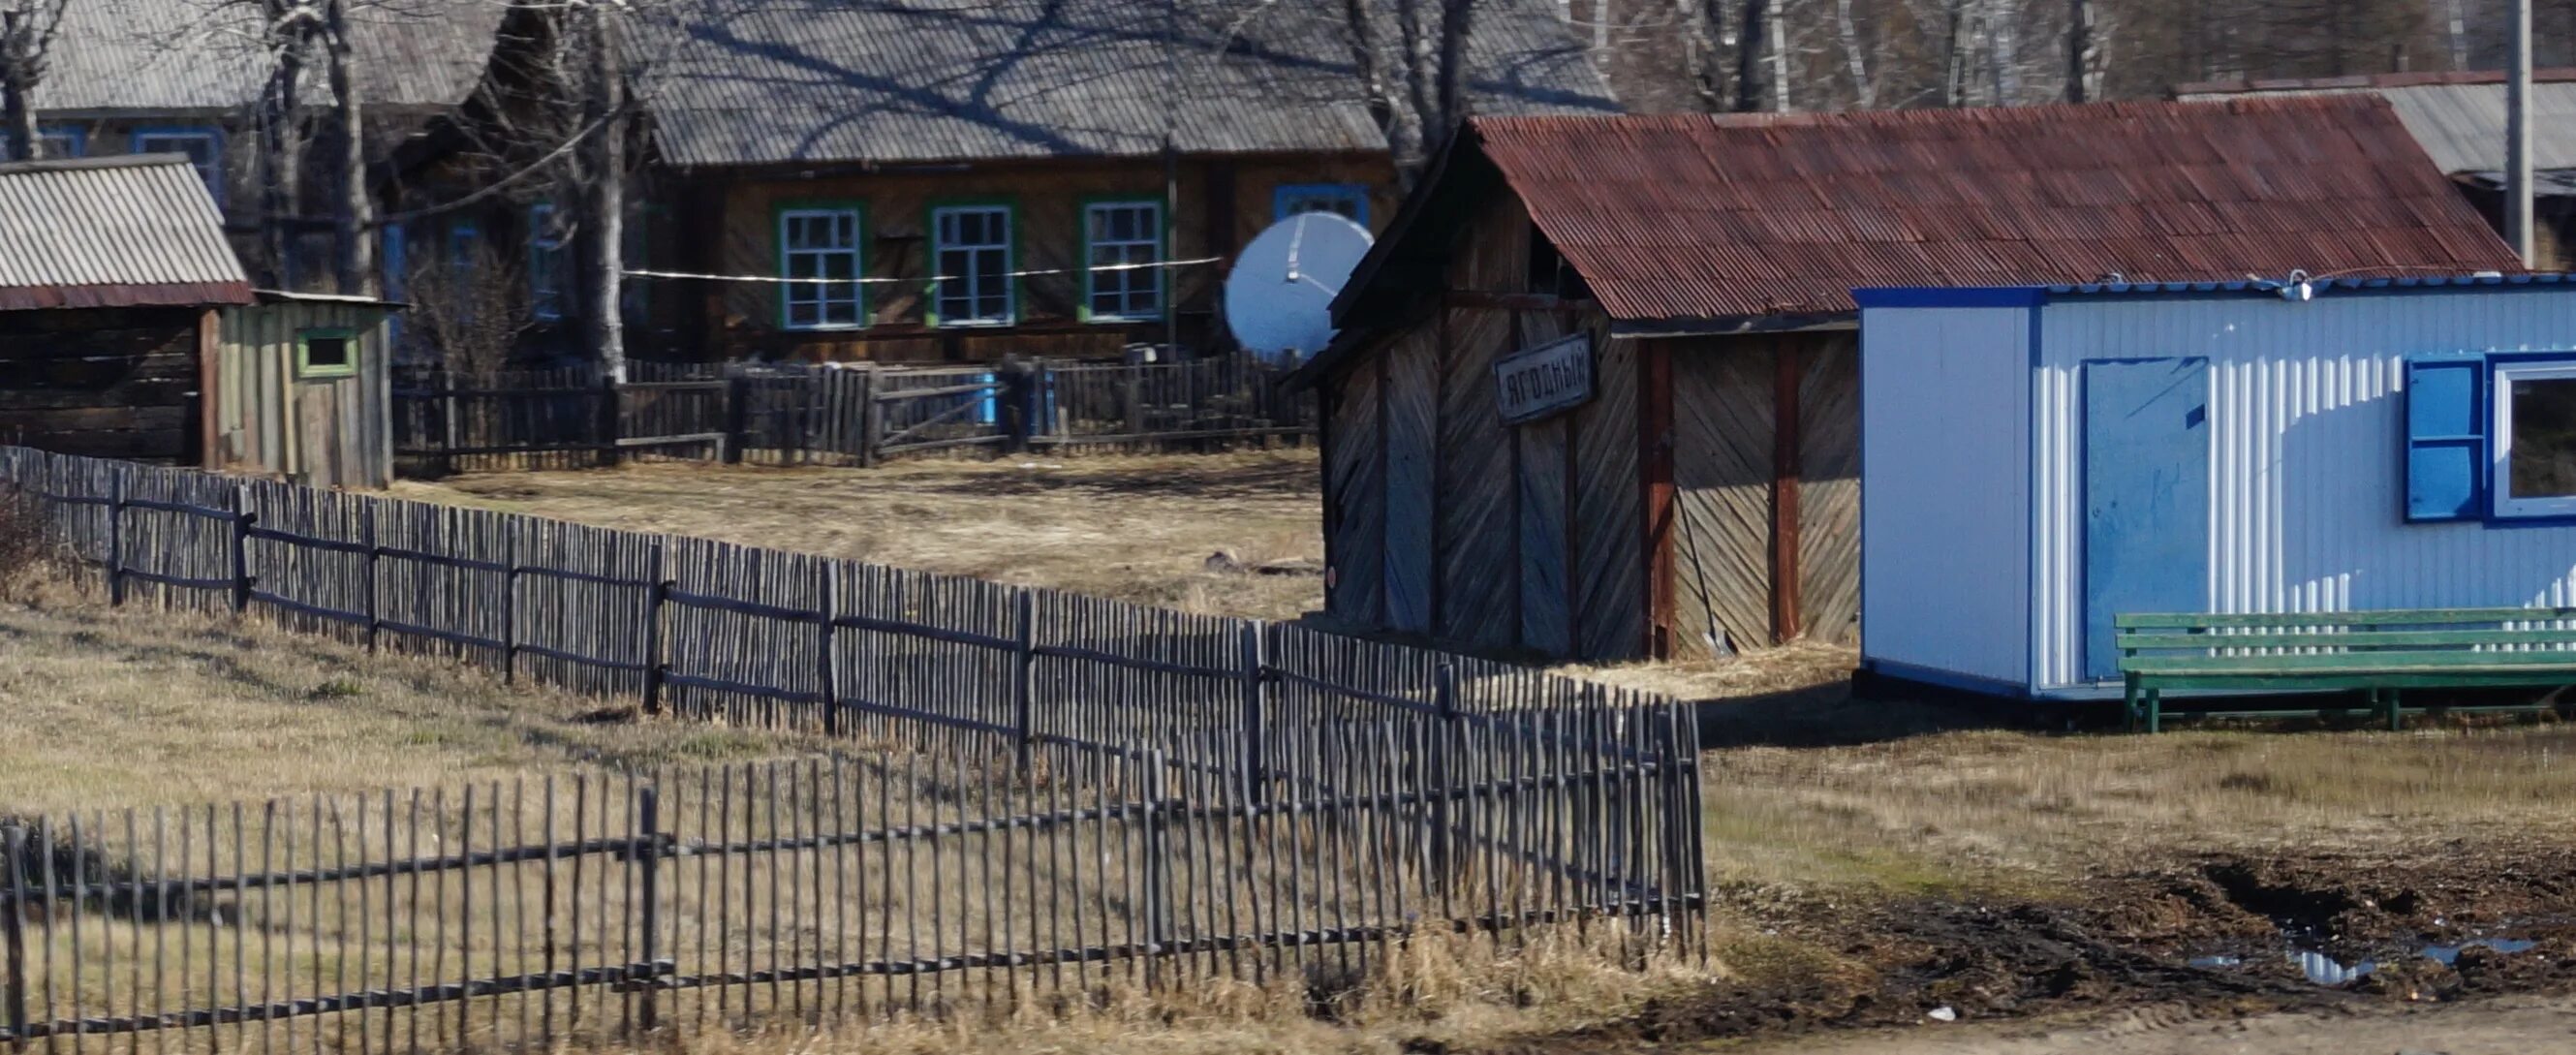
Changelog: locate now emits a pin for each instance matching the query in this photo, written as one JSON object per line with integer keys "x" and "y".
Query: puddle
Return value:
{"x": 2322, "y": 969}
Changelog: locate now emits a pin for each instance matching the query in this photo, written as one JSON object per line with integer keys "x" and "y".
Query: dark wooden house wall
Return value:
{"x": 1223, "y": 203}
{"x": 1522, "y": 539}
{"x": 105, "y": 382}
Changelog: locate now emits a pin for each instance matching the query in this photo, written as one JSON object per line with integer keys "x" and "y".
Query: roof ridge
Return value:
{"x": 111, "y": 161}
{"x": 2406, "y": 79}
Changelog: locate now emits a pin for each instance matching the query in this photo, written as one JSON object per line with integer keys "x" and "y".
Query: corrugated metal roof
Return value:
{"x": 1695, "y": 217}
{"x": 744, "y": 82}
{"x": 130, "y": 231}
{"x": 176, "y": 56}
{"x": 2458, "y": 117}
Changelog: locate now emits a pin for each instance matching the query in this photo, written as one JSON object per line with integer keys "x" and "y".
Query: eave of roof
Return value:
{"x": 146, "y": 295}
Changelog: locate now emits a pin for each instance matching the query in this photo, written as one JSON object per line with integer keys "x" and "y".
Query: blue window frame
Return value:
{"x": 204, "y": 147}
{"x": 2491, "y": 437}
{"x": 1122, "y": 246}
{"x": 59, "y": 141}
{"x": 546, "y": 271}
{"x": 1342, "y": 199}
{"x": 970, "y": 252}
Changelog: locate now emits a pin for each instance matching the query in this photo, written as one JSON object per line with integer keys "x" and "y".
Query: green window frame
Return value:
{"x": 984, "y": 265}
{"x": 840, "y": 304}
{"x": 306, "y": 369}
{"x": 1112, "y": 235}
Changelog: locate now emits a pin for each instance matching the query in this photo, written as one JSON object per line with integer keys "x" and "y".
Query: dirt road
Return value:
{"x": 2514, "y": 1025}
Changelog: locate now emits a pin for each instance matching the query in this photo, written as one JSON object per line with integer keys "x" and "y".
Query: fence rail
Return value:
{"x": 830, "y": 413}
{"x": 1276, "y": 790}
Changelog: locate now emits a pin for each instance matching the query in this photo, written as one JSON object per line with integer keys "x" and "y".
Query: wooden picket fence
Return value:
{"x": 1211, "y": 796}
{"x": 858, "y": 414}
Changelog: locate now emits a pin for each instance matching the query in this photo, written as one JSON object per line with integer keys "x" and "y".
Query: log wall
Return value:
{"x": 103, "y": 382}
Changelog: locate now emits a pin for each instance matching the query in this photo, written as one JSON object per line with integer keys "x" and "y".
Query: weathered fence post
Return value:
{"x": 646, "y": 849}
{"x": 1444, "y": 699}
{"x": 871, "y": 419}
{"x": 827, "y": 673}
{"x": 1018, "y": 384}
{"x": 447, "y": 412}
{"x": 1157, "y": 868}
{"x": 240, "y": 570}
{"x": 657, "y": 584}
{"x": 609, "y": 425}
{"x": 13, "y": 937}
{"x": 737, "y": 426}
{"x": 367, "y": 536}
{"x": 1255, "y": 686}
{"x": 116, "y": 536}
{"x": 1135, "y": 401}
{"x": 510, "y": 603}
{"x": 1024, "y": 654}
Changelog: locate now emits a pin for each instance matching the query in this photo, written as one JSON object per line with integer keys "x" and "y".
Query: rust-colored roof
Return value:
{"x": 1672, "y": 218}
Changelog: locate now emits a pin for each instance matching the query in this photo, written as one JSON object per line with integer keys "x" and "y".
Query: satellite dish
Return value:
{"x": 1278, "y": 299}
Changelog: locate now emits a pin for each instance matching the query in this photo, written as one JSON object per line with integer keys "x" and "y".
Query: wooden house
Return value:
{"x": 128, "y": 330}
{"x": 113, "y": 276}
{"x": 976, "y": 180}
{"x": 186, "y": 77}
{"x": 1596, "y": 392}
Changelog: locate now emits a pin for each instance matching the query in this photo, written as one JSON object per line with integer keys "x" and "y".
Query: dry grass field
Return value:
{"x": 1133, "y": 528}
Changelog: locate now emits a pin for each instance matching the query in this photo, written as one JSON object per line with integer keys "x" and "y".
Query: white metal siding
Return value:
{"x": 2307, "y": 422}
{"x": 1944, "y": 486}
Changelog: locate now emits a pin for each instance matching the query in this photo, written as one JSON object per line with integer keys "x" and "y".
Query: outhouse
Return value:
{"x": 2038, "y": 460}
{"x": 298, "y": 385}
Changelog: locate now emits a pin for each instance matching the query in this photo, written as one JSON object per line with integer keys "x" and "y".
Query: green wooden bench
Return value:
{"x": 2382, "y": 653}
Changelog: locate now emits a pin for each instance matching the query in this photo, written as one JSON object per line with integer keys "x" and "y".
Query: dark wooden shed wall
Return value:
{"x": 104, "y": 382}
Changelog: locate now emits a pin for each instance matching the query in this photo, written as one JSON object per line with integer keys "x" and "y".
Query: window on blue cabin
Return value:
{"x": 2535, "y": 439}
{"x": 2490, "y": 438}
{"x": 1341, "y": 199}
{"x": 971, "y": 247}
{"x": 51, "y": 143}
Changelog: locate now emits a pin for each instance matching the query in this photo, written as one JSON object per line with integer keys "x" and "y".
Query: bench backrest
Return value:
{"x": 2417, "y": 630}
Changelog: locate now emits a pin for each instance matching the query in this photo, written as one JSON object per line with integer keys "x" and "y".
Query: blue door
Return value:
{"x": 2146, "y": 496}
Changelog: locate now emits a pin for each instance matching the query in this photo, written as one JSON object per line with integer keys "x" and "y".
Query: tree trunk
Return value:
{"x": 280, "y": 149}
{"x": 603, "y": 227}
{"x": 2083, "y": 54}
{"x": 1954, "y": 49}
{"x": 1751, "y": 95}
{"x": 1456, "y": 17}
{"x": 353, "y": 211}
{"x": 1401, "y": 123}
{"x": 1708, "y": 75}
{"x": 1864, "y": 90}
{"x": 1421, "y": 82}
{"x": 26, "y": 34}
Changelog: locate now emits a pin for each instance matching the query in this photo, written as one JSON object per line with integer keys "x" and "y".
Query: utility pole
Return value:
{"x": 2517, "y": 131}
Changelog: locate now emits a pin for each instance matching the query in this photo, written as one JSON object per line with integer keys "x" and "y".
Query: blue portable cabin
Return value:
{"x": 2036, "y": 460}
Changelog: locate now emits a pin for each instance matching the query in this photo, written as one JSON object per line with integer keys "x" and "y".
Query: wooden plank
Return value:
{"x": 1542, "y": 509}
{"x": 1607, "y": 531}
{"x": 1411, "y": 393}
{"x": 1787, "y": 371}
{"x": 1660, "y": 519}
{"x": 2383, "y": 617}
{"x": 1829, "y": 490}
{"x": 1356, "y": 499}
{"x": 2349, "y": 639}
{"x": 1723, "y": 479}
{"x": 1472, "y": 531}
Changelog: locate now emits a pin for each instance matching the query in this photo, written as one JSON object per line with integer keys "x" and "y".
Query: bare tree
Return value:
{"x": 352, "y": 206}
{"x": 468, "y": 311}
{"x": 27, "y": 32}
{"x": 1429, "y": 61}
{"x": 285, "y": 35}
{"x": 2083, "y": 52}
{"x": 1401, "y": 120}
{"x": 1752, "y": 94}
{"x": 601, "y": 191}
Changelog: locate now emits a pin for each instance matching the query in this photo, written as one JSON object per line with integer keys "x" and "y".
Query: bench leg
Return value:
{"x": 2155, "y": 710}
{"x": 2396, "y": 712}
{"x": 2129, "y": 706}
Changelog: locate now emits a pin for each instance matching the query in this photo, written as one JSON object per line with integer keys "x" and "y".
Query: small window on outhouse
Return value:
{"x": 326, "y": 353}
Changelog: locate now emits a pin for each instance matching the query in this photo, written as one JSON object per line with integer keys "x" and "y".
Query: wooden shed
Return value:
{"x": 299, "y": 386}
{"x": 1596, "y": 391}
{"x": 112, "y": 275}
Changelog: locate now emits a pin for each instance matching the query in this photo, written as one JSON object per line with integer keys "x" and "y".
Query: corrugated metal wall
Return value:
{"x": 2307, "y": 420}
{"x": 1945, "y": 528}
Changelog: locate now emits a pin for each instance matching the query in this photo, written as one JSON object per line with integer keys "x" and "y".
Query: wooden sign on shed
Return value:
{"x": 1535, "y": 382}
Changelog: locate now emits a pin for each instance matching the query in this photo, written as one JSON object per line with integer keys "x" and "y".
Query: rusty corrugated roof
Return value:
{"x": 136, "y": 231}
{"x": 1696, "y": 217}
